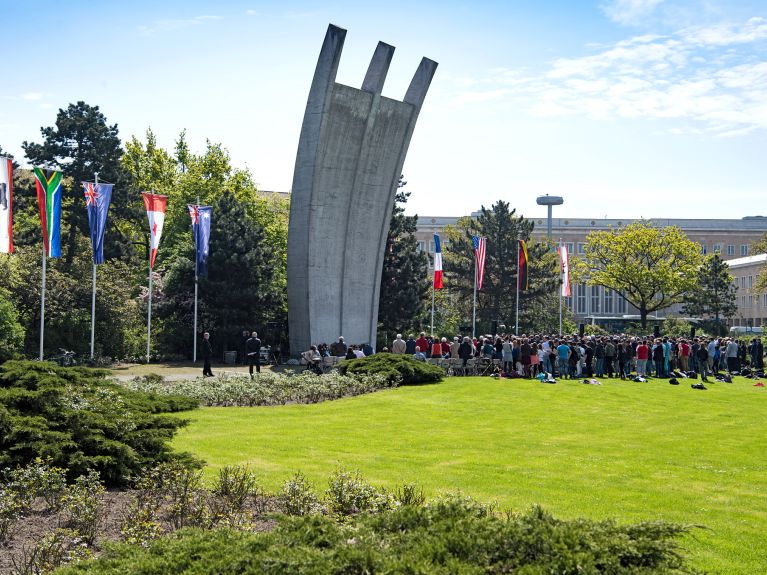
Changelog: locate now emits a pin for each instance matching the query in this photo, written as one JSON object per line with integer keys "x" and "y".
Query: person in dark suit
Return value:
{"x": 207, "y": 353}
{"x": 253, "y": 353}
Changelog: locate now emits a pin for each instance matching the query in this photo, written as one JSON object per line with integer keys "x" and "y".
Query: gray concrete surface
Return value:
{"x": 351, "y": 151}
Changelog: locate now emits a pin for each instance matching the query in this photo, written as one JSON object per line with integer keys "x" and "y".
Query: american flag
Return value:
{"x": 480, "y": 250}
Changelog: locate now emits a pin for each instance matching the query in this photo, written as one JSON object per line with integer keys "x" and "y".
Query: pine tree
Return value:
{"x": 404, "y": 278}
{"x": 496, "y": 301}
{"x": 714, "y": 296}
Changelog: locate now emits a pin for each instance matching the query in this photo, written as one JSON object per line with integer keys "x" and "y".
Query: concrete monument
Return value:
{"x": 350, "y": 156}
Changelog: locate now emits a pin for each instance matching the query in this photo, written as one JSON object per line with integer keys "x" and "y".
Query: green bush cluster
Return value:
{"x": 82, "y": 422}
{"x": 401, "y": 369}
{"x": 450, "y": 536}
{"x": 268, "y": 388}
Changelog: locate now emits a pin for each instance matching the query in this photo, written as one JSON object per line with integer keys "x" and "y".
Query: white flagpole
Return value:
{"x": 93, "y": 289}
{"x": 560, "y": 285}
{"x": 149, "y": 311}
{"x": 196, "y": 283}
{"x": 516, "y": 321}
{"x": 42, "y": 306}
{"x": 432, "y": 307}
{"x": 474, "y": 308}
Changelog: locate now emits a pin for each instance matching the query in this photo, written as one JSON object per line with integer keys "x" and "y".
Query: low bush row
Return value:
{"x": 402, "y": 369}
{"x": 268, "y": 388}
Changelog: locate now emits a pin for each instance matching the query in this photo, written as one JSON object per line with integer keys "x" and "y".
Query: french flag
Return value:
{"x": 437, "y": 263}
{"x": 155, "y": 211}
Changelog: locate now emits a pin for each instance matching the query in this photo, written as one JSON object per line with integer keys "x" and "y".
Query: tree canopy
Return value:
{"x": 715, "y": 295}
{"x": 651, "y": 267}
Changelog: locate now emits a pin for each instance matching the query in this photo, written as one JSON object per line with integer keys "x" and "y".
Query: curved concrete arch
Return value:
{"x": 351, "y": 151}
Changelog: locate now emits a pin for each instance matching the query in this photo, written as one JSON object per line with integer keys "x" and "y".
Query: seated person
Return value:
{"x": 350, "y": 353}
{"x": 419, "y": 355}
{"x": 313, "y": 358}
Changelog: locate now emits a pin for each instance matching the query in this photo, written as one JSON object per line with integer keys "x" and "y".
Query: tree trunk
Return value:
{"x": 643, "y": 315}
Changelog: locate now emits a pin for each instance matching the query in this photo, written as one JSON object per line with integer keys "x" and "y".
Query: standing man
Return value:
{"x": 399, "y": 346}
{"x": 253, "y": 352}
{"x": 341, "y": 347}
{"x": 207, "y": 352}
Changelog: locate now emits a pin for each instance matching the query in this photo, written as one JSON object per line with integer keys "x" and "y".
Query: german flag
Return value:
{"x": 522, "y": 275}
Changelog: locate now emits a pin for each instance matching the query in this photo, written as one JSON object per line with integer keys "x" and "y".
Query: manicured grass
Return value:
{"x": 634, "y": 451}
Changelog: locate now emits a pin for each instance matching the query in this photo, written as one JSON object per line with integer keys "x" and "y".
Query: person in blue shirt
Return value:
{"x": 419, "y": 355}
{"x": 563, "y": 355}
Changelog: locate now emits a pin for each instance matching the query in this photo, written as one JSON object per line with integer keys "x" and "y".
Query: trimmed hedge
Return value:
{"x": 448, "y": 537}
{"x": 80, "y": 421}
{"x": 402, "y": 369}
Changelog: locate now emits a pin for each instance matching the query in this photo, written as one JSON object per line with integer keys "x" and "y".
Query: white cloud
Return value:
{"x": 175, "y": 24}
{"x": 629, "y": 12}
{"x": 712, "y": 79}
{"x": 251, "y": 12}
{"x": 32, "y": 96}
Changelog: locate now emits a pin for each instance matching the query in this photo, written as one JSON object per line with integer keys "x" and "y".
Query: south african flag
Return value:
{"x": 48, "y": 184}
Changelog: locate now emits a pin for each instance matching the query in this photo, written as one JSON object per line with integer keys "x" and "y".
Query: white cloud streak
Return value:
{"x": 629, "y": 12}
{"x": 711, "y": 79}
{"x": 175, "y": 24}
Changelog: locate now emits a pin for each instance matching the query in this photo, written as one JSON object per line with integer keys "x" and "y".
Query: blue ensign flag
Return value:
{"x": 97, "y": 199}
{"x": 201, "y": 231}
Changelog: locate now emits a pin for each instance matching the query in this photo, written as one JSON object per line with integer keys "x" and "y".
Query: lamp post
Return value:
{"x": 550, "y": 202}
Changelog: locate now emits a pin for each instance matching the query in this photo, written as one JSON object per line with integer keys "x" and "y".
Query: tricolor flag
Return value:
{"x": 97, "y": 199}
{"x": 155, "y": 211}
{"x": 480, "y": 251}
{"x": 522, "y": 269}
{"x": 437, "y": 263}
{"x": 6, "y": 205}
{"x": 563, "y": 258}
{"x": 48, "y": 184}
{"x": 201, "y": 231}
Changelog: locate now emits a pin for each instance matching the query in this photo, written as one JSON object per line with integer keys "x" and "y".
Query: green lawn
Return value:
{"x": 634, "y": 451}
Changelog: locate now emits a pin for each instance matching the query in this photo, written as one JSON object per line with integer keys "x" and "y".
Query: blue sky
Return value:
{"x": 627, "y": 108}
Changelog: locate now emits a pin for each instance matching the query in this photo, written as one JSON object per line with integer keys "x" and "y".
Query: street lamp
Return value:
{"x": 549, "y": 201}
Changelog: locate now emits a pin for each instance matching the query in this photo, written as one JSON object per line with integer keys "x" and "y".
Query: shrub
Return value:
{"x": 82, "y": 504}
{"x": 348, "y": 493}
{"x": 298, "y": 496}
{"x": 61, "y": 547}
{"x": 234, "y": 487}
{"x": 39, "y": 479}
{"x": 268, "y": 388}
{"x": 452, "y": 536}
{"x": 401, "y": 369}
{"x": 77, "y": 420}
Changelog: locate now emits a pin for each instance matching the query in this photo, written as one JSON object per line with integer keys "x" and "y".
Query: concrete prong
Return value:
{"x": 419, "y": 85}
{"x": 379, "y": 67}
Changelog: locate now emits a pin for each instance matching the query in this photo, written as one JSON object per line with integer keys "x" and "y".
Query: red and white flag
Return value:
{"x": 155, "y": 211}
{"x": 480, "y": 251}
{"x": 565, "y": 270}
{"x": 437, "y": 263}
{"x": 6, "y": 205}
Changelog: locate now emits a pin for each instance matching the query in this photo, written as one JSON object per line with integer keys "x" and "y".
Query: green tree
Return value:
{"x": 714, "y": 296}
{"x": 496, "y": 301}
{"x": 651, "y": 267}
{"x": 11, "y": 331}
{"x": 405, "y": 281}
{"x": 80, "y": 144}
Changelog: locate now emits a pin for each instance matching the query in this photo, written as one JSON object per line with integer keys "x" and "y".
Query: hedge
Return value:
{"x": 397, "y": 368}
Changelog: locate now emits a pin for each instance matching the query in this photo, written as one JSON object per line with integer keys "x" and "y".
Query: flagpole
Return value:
{"x": 516, "y": 321}
{"x": 93, "y": 289}
{"x": 560, "y": 286}
{"x": 42, "y": 306}
{"x": 149, "y": 312}
{"x": 474, "y": 307}
{"x": 432, "y": 307}
{"x": 196, "y": 283}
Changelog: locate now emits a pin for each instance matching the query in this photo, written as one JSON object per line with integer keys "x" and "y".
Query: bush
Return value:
{"x": 298, "y": 496}
{"x": 401, "y": 369}
{"x": 451, "y": 536}
{"x": 348, "y": 494}
{"x": 268, "y": 388}
{"x": 79, "y": 421}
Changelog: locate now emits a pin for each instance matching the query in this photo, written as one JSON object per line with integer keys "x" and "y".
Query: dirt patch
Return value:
{"x": 34, "y": 526}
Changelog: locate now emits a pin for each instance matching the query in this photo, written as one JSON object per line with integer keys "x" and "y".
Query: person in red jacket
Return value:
{"x": 684, "y": 355}
{"x": 423, "y": 343}
{"x": 643, "y": 354}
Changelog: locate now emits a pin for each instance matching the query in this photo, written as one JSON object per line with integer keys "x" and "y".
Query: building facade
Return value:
{"x": 752, "y": 303}
{"x": 730, "y": 238}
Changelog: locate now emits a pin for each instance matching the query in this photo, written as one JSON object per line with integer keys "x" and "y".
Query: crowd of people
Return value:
{"x": 621, "y": 356}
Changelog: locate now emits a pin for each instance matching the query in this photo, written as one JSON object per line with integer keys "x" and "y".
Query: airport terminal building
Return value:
{"x": 731, "y": 238}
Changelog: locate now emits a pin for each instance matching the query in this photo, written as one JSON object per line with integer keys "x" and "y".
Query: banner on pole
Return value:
{"x": 6, "y": 205}
{"x": 201, "y": 216}
{"x": 97, "y": 200}
{"x": 522, "y": 279}
{"x": 48, "y": 185}
{"x": 155, "y": 210}
{"x": 563, "y": 258}
{"x": 480, "y": 251}
{"x": 437, "y": 263}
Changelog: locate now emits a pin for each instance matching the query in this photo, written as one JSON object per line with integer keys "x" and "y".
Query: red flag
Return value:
{"x": 480, "y": 251}
{"x": 155, "y": 211}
